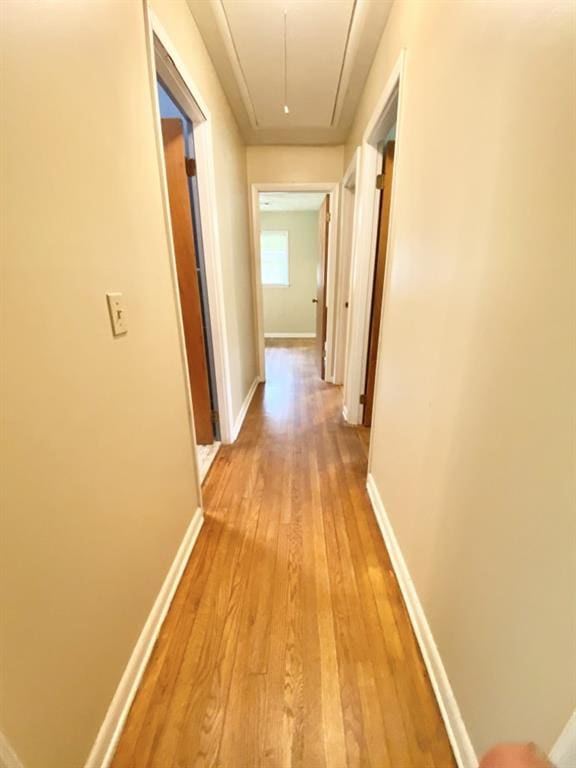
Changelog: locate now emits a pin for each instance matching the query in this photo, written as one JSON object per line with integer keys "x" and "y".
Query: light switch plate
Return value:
{"x": 117, "y": 313}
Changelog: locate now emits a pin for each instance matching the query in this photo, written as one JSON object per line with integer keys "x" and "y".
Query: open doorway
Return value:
{"x": 295, "y": 257}
{"x": 373, "y": 242}
{"x": 184, "y": 144}
{"x": 293, "y": 263}
{"x": 181, "y": 177}
{"x": 384, "y": 186}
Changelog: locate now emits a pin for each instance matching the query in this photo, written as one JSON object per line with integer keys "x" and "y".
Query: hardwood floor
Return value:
{"x": 287, "y": 643}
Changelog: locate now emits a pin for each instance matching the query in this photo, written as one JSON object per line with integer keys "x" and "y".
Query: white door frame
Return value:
{"x": 563, "y": 752}
{"x": 348, "y": 213}
{"x": 332, "y": 189}
{"x": 387, "y": 111}
{"x": 174, "y": 73}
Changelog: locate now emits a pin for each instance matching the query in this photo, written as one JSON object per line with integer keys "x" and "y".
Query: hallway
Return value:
{"x": 287, "y": 643}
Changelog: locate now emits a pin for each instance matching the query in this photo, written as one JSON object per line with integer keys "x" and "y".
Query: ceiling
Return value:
{"x": 291, "y": 201}
{"x": 330, "y": 45}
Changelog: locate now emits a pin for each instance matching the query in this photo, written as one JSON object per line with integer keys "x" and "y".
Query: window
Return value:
{"x": 274, "y": 257}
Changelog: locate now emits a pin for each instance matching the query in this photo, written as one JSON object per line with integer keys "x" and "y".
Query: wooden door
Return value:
{"x": 186, "y": 266}
{"x": 321, "y": 272}
{"x": 384, "y": 183}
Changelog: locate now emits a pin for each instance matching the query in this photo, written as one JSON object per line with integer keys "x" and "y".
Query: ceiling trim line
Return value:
{"x": 348, "y": 33}
{"x": 357, "y": 22}
{"x": 224, "y": 27}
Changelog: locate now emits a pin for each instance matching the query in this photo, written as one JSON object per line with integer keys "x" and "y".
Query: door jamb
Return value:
{"x": 345, "y": 252}
{"x": 388, "y": 108}
{"x": 204, "y": 151}
{"x": 332, "y": 189}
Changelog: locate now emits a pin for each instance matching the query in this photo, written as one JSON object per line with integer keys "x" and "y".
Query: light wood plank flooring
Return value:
{"x": 287, "y": 643}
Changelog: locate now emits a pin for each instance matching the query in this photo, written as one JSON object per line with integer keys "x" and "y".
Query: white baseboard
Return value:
{"x": 8, "y": 758}
{"x": 107, "y": 739}
{"x": 455, "y": 727}
{"x": 244, "y": 410}
{"x": 289, "y": 335}
{"x": 345, "y": 413}
{"x": 206, "y": 455}
{"x": 563, "y": 753}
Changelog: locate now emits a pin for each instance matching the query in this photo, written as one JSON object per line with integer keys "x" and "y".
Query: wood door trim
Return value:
{"x": 378, "y": 281}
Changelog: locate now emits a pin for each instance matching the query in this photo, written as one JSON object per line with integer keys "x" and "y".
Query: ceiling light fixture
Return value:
{"x": 286, "y": 108}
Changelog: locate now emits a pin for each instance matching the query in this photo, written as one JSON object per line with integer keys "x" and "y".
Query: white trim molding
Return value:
{"x": 289, "y": 335}
{"x": 455, "y": 727}
{"x": 332, "y": 189}
{"x": 244, "y": 409}
{"x": 563, "y": 753}
{"x": 347, "y": 231}
{"x": 110, "y": 730}
{"x": 8, "y": 758}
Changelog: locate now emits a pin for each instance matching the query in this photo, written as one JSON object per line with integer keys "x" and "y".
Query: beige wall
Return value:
{"x": 290, "y": 309}
{"x": 473, "y": 435}
{"x": 230, "y": 167}
{"x": 278, "y": 164}
{"x": 98, "y": 480}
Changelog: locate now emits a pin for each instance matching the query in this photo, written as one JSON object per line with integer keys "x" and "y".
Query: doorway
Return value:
{"x": 373, "y": 245}
{"x": 293, "y": 260}
{"x": 294, "y": 247}
{"x": 344, "y": 280}
{"x": 167, "y": 67}
{"x": 181, "y": 176}
{"x": 384, "y": 186}
{"x": 188, "y": 191}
